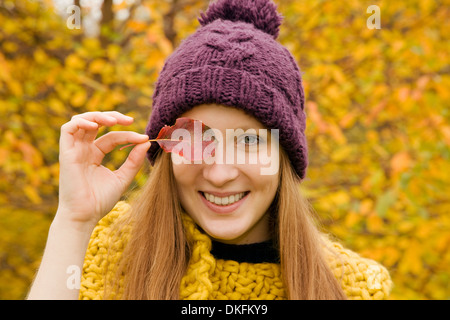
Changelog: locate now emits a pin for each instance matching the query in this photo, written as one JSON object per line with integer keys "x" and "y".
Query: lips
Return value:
{"x": 223, "y": 207}
{"x": 226, "y": 200}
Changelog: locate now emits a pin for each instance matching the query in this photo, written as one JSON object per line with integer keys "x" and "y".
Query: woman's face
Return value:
{"x": 229, "y": 200}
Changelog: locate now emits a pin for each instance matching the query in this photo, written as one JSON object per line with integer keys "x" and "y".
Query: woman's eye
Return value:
{"x": 250, "y": 140}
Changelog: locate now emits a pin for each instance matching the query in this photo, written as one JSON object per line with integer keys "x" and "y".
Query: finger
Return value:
{"x": 132, "y": 164}
{"x": 109, "y": 141}
{"x": 102, "y": 119}
{"x": 71, "y": 128}
{"x": 106, "y": 118}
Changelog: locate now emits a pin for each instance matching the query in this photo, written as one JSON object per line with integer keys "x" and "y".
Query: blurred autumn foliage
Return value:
{"x": 377, "y": 104}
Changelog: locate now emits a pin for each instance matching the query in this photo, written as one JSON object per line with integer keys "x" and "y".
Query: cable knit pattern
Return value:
{"x": 234, "y": 59}
{"x": 210, "y": 278}
{"x": 102, "y": 255}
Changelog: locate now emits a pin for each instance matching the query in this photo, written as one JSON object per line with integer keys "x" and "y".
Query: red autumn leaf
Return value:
{"x": 189, "y": 140}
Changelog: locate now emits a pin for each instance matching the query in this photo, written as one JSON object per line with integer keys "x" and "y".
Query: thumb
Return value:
{"x": 132, "y": 164}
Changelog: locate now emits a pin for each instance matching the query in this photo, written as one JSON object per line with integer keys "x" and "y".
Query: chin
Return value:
{"x": 222, "y": 234}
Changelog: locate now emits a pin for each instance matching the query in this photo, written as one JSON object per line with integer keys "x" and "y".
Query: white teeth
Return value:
{"x": 225, "y": 200}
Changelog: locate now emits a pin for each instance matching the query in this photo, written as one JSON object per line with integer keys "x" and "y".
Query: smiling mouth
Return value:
{"x": 223, "y": 201}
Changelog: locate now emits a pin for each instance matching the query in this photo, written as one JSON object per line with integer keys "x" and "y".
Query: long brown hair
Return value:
{"x": 157, "y": 254}
{"x": 304, "y": 268}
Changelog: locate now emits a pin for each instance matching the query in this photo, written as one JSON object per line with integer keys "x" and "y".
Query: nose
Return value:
{"x": 219, "y": 174}
{"x": 221, "y": 170}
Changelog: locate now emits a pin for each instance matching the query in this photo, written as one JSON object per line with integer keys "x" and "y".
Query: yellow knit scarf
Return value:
{"x": 218, "y": 279}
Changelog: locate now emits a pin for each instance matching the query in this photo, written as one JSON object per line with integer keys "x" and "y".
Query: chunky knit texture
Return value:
{"x": 234, "y": 59}
{"x": 208, "y": 278}
{"x": 261, "y": 13}
{"x": 214, "y": 279}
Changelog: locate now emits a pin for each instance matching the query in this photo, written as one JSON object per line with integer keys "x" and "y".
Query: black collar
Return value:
{"x": 251, "y": 253}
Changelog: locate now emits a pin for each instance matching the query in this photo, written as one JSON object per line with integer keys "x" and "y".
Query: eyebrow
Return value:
{"x": 246, "y": 127}
{"x": 243, "y": 127}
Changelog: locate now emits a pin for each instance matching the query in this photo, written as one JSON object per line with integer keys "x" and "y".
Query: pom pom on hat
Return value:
{"x": 261, "y": 13}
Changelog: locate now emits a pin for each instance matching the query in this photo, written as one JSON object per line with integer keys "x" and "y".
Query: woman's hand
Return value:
{"x": 88, "y": 190}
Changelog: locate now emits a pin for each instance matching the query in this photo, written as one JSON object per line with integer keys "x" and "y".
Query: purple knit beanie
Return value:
{"x": 234, "y": 59}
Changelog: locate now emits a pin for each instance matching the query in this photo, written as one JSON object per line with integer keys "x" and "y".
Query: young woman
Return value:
{"x": 221, "y": 229}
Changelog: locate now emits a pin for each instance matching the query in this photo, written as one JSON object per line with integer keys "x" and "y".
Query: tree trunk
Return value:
{"x": 106, "y": 23}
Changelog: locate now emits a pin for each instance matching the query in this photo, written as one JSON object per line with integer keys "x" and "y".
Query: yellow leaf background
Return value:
{"x": 378, "y": 129}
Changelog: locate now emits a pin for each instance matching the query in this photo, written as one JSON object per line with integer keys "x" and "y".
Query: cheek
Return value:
{"x": 184, "y": 177}
{"x": 187, "y": 177}
{"x": 266, "y": 187}
{"x": 261, "y": 182}
{"x": 178, "y": 170}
